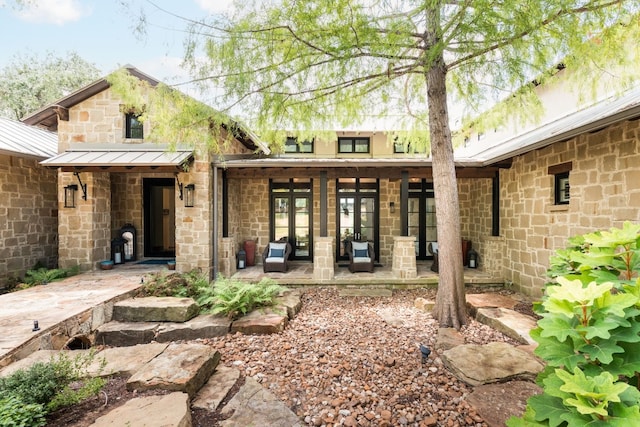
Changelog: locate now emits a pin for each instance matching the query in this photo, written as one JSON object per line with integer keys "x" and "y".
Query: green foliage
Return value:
{"x": 60, "y": 382}
{"x": 589, "y": 334}
{"x": 16, "y": 413}
{"x": 41, "y": 276}
{"x": 234, "y": 297}
{"x": 29, "y": 83}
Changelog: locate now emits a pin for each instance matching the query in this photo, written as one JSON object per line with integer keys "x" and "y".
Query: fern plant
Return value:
{"x": 589, "y": 334}
{"x": 234, "y": 297}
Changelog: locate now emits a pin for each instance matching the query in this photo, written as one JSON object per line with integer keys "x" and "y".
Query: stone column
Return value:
{"x": 227, "y": 256}
{"x": 323, "y": 262}
{"x": 491, "y": 255}
{"x": 404, "y": 257}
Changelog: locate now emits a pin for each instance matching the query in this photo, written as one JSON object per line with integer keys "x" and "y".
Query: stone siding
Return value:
{"x": 29, "y": 212}
{"x": 605, "y": 192}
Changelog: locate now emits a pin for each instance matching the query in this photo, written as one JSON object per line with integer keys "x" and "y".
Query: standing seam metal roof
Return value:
{"x": 19, "y": 138}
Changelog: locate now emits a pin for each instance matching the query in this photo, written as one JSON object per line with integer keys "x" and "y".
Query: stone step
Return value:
{"x": 167, "y": 410}
{"x": 123, "y": 334}
{"x": 216, "y": 389}
{"x": 155, "y": 309}
{"x": 180, "y": 367}
{"x": 511, "y": 323}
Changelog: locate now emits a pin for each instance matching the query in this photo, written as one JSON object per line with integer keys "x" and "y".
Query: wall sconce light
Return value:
{"x": 70, "y": 196}
{"x": 392, "y": 207}
{"x": 189, "y": 191}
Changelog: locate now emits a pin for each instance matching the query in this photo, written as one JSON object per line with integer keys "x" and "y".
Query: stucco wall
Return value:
{"x": 28, "y": 217}
{"x": 605, "y": 192}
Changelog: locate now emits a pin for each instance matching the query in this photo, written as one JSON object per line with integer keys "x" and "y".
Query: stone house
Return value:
{"x": 515, "y": 203}
{"x": 28, "y": 200}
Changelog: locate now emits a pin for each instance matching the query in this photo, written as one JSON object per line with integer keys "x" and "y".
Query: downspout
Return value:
{"x": 215, "y": 223}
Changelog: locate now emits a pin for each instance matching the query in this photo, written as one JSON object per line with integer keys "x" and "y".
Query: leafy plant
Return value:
{"x": 41, "y": 276}
{"x": 589, "y": 334}
{"x": 60, "y": 382}
{"x": 16, "y": 413}
{"x": 234, "y": 297}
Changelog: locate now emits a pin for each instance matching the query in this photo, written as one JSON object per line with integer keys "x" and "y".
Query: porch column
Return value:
{"x": 323, "y": 262}
{"x": 491, "y": 255}
{"x": 404, "y": 257}
{"x": 228, "y": 256}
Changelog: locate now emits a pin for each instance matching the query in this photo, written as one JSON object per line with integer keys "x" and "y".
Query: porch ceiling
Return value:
{"x": 120, "y": 158}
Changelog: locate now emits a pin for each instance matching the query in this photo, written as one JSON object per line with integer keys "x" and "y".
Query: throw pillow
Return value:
{"x": 276, "y": 253}
{"x": 361, "y": 253}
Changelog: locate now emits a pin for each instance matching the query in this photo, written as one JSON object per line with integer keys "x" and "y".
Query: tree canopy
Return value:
{"x": 30, "y": 82}
{"x": 307, "y": 65}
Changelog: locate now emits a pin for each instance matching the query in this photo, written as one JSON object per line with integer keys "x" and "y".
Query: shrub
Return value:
{"x": 41, "y": 276}
{"x": 60, "y": 382}
{"x": 589, "y": 334}
{"x": 16, "y": 413}
{"x": 234, "y": 297}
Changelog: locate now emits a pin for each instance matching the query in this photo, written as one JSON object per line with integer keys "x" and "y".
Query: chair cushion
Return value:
{"x": 276, "y": 250}
{"x": 360, "y": 253}
{"x": 358, "y": 260}
{"x": 358, "y": 246}
{"x": 279, "y": 260}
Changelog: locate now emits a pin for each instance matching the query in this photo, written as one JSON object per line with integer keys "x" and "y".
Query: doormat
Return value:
{"x": 156, "y": 261}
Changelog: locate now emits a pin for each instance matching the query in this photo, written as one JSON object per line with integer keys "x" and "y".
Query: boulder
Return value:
{"x": 155, "y": 309}
{"x": 258, "y": 323}
{"x": 490, "y": 363}
{"x": 254, "y": 402}
{"x": 448, "y": 338}
{"x": 121, "y": 334}
{"x": 423, "y": 304}
{"x": 511, "y": 323}
{"x": 168, "y": 410}
{"x": 205, "y": 326}
{"x": 289, "y": 303}
{"x": 216, "y": 389}
{"x": 180, "y": 367}
{"x": 124, "y": 361}
{"x": 489, "y": 299}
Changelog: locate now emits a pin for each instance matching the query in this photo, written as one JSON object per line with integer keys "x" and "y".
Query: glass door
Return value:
{"x": 291, "y": 216}
{"x": 422, "y": 217}
{"x": 357, "y": 213}
{"x": 159, "y": 217}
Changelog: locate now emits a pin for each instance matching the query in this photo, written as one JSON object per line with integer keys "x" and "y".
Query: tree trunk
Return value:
{"x": 450, "y": 307}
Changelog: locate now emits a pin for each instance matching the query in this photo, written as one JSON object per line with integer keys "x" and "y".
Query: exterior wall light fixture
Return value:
{"x": 70, "y": 196}
{"x": 189, "y": 191}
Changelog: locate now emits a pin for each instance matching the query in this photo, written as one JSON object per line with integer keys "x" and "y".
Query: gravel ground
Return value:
{"x": 339, "y": 362}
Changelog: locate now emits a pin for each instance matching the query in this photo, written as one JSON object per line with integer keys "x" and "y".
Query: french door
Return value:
{"x": 159, "y": 217}
{"x": 357, "y": 213}
{"x": 291, "y": 203}
{"x": 422, "y": 216}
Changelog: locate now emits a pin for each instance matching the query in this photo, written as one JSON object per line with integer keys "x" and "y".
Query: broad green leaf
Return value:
{"x": 548, "y": 408}
{"x": 559, "y": 327}
{"x": 557, "y": 353}
{"x": 574, "y": 291}
{"x": 602, "y": 351}
{"x": 600, "y": 329}
{"x": 624, "y": 415}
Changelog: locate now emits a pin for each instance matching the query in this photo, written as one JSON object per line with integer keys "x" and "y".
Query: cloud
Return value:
{"x": 57, "y": 12}
{"x": 214, "y": 6}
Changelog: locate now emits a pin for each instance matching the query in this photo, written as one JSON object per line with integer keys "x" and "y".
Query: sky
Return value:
{"x": 102, "y": 32}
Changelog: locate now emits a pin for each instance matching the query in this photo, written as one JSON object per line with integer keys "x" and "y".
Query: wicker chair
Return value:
{"x": 275, "y": 257}
{"x": 361, "y": 256}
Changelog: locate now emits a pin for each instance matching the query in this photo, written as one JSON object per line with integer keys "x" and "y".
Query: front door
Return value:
{"x": 291, "y": 204}
{"x": 159, "y": 217}
{"x": 422, "y": 216}
{"x": 357, "y": 213}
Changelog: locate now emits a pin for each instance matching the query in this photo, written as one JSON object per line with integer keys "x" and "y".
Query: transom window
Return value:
{"x": 293, "y": 146}
{"x": 353, "y": 145}
{"x": 133, "y": 126}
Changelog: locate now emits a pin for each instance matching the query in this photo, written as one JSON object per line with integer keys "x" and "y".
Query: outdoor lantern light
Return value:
{"x": 117, "y": 250}
{"x": 392, "y": 207}
{"x": 189, "y": 195}
{"x": 70, "y": 196}
{"x": 473, "y": 259}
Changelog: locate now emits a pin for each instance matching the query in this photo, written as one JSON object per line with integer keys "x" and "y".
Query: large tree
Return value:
{"x": 304, "y": 64}
{"x": 30, "y": 82}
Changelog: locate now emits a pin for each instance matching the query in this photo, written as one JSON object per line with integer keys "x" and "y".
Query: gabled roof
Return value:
{"x": 604, "y": 113}
{"x": 25, "y": 140}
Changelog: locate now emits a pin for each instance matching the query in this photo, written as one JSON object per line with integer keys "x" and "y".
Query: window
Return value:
{"x": 562, "y": 188}
{"x": 292, "y": 146}
{"x": 133, "y": 126}
{"x": 353, "y": 145}
{"x": 402, "y": 148}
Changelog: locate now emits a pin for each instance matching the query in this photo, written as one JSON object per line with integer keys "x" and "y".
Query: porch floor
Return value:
{"x": 301, "y": 273}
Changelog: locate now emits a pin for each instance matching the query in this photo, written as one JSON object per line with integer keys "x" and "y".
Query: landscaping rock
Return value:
{"x": 496, "y": 403}
{"x": 511, "y": 323}
{"x": 448, "y": 338}
{"x": 118, "y": 334}
{"x": 254, "y": 402}
{"x": 205, "y": 326}
{"x": 490, "y": 363}
{"x": 424, "y": 304}
{"x": 366, "y": 292}
{"x": 390, "y": 318}
{"x": 124, "y": 361}
{"x": 152, "y": 411}
{"x": 180, "y": 367}
{"x": 155, "y": 309}
{"x": 289, "y": 302}
{"x": 491, "y": 300}
{"x": 216, "y": 389}
{"x": 260, "y": 323}
{"x": 40, "y": 356}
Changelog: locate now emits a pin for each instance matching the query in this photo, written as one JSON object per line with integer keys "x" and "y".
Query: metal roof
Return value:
{"x": 604, "y": 113}
{"x": 19, "y": 138}
{"x": 129, "y": 156}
